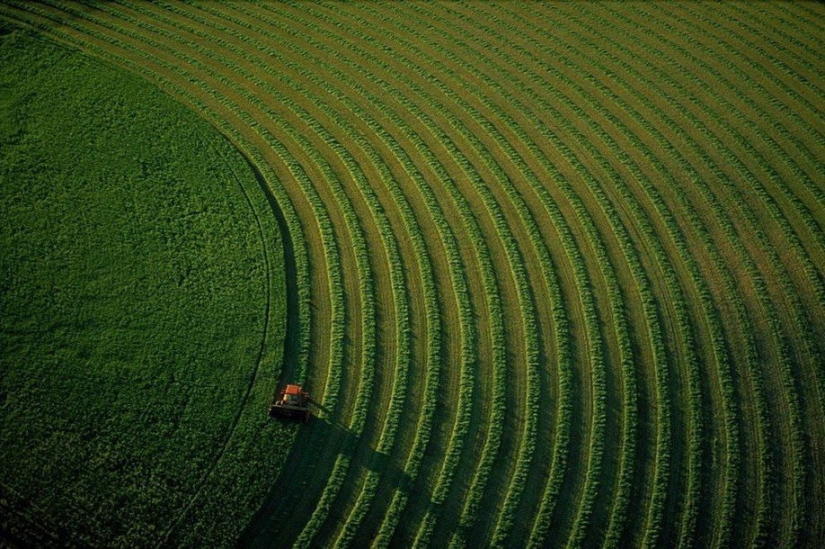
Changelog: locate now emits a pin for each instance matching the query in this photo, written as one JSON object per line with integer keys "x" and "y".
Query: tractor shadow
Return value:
{"x": 359, "y": 451}
{"x": 318, "y": 445}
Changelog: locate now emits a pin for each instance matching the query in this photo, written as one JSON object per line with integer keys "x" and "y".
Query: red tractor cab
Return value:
{"x": 293, "y": 402}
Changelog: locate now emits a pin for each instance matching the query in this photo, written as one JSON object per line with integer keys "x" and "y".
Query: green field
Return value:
{"x": 143, "y": 311}
{"x": 555, "y": 275}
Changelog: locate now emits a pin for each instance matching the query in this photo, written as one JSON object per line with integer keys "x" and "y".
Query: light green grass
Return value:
{"x": 142, "y": 312}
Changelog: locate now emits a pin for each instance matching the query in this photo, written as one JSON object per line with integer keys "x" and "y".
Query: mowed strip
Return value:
{"x": 512, "y": 406}
{"x": 521, "y": 220}
{"x": 663, "y": 286}
{"x": 788, "y": 240}
{"x": 674, "y": 186}
{"x": 510, "y": 63}
{"x": 737, "y": 238}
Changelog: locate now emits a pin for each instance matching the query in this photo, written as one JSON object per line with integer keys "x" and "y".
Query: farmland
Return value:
{"x": 142, "y": 311}
{"x": 555, "y": 275}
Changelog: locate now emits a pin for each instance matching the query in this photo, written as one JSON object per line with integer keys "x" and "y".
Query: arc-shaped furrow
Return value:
{"x": 803, "y": 19}
{"x": 663, "y": 213}
{"x": 449, "y": 155}
{"x": 759, "y": 196}
{"x": 505, "y": 518}
{"x": 384, "y": 443}
{"x": 685, "y": 341}
{"x": 386, "y": 438}
{"x": 477, "y": 242}
{"x": 500, "y": 176}
{"x": 784, "y": 185}
{"x": 332, "y": 486}
{"x": 786, "y": 373}
{"x": 801, "y": 44}
{"x": 771, "y": 352}
{"x": 625, "y": 131}
{"x": 620, "y": 502}
{"x": 419, "y": 55}
{"x": 356, "y": 312}
{"x": 373, "y": 349}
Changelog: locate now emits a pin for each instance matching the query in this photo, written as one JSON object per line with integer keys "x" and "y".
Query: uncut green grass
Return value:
{"x": 142, "y": 313}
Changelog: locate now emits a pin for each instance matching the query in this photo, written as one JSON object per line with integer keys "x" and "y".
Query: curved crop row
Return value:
{"x": 735, "y": 240}
{"x": 489, "y": 271}
{"x": 513, "y": 494}
{"x": 466, "y": 385}
{"x": 674, "y": 291}
{"x": 531, "y": 344}
{"x": 313, "y": 196}
{"x": 688, "y": 169}
{"x": 322, "y": 504}
{"x": 769, "y": 174}
{"x": 581, "y": 528}
{"x": 754, "y": 188}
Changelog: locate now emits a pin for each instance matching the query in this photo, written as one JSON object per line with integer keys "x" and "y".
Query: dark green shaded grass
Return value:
{"x": 142, "y": 313}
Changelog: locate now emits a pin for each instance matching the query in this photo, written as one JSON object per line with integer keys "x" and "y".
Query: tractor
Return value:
{"x": 293, "y": 402}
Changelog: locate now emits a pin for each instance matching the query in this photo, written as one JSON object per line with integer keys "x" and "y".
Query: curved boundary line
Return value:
{"x": 164, "y": 539}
